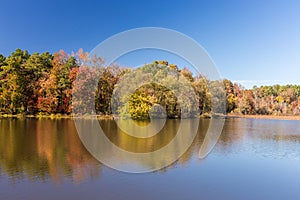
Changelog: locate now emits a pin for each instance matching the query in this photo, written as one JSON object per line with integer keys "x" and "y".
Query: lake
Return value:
{"x": 253, "y": 159}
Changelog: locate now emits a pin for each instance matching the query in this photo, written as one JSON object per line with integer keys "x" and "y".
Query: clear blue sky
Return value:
{"x": 254, "y": 42}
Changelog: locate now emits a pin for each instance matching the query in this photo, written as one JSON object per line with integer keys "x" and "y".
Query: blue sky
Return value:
{"x": 252, "y": 42}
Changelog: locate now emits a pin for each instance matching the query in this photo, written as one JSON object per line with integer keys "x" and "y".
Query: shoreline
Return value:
{"x": 102, "y": 117}
{"x": 54, "y": 116}
{"x": 269, "y": 117}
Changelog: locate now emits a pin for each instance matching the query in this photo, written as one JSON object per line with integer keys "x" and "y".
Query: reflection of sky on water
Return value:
{"x": 277, "y": 139}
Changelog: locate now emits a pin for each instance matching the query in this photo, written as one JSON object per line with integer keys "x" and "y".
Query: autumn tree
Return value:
{"x": 231, "y": 99}
{"x": 107, "y": 80}
{"x": 37, "y": 66}
{"x": 14, "y": 82}
{"x": 56, "y": 90}
{"x": 202, "y": 91}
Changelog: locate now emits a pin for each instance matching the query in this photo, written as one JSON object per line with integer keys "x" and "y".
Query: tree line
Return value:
{"x": 43, "y": 83}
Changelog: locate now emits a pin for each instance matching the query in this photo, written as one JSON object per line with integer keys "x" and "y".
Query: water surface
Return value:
{"x": 254, "y": 159}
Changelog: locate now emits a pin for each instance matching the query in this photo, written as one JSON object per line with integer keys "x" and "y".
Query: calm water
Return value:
{"x": 254, "y": 159}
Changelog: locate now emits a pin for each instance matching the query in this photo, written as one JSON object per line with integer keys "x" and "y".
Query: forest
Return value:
{"x": 43, "y": 84}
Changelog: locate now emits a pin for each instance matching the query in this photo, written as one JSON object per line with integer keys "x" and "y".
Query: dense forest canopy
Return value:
{"x": 44, "y": 84}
